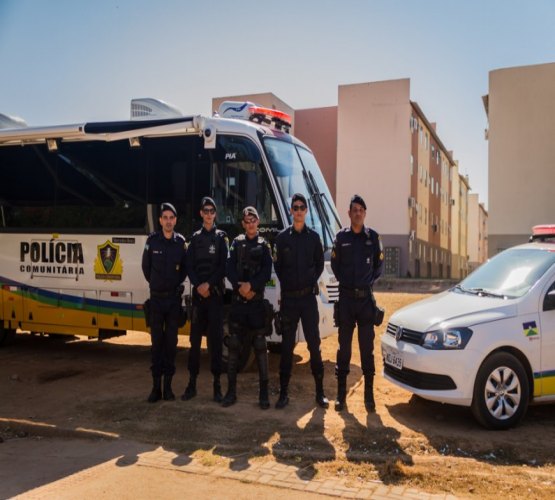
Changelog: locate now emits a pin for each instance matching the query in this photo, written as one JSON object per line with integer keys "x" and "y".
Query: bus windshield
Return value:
{"x": 296, "y": 171}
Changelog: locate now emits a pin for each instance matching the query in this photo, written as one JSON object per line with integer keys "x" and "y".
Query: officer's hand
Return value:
{"x": 244, "y": 289}
{"x": 204, "y": 290}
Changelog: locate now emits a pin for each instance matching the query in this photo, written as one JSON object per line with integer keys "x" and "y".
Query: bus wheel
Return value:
{"x": 7, "y": 335}
{"x": 501, "y": 393}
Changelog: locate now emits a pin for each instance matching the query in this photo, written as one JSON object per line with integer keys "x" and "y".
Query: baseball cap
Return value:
{"x": 207, "y": 201}
{"x": 168, "y": 206}
{"x": 358, "y": 199}
{"x": 250, "y": 211}
{"x": 298, "y": 197}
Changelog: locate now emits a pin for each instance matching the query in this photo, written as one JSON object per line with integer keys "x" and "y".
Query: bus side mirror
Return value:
{"x": 209, "y": 134}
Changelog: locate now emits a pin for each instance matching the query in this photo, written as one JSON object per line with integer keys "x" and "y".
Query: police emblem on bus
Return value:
{"x": 108, "y": 264}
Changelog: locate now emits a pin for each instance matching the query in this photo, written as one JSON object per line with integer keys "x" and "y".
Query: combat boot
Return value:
{"x": 217, "y": 389}
{"x": 369, "y": 402}
{"x": 321, "y": 399}
{"x": 231, "y": 396}
{"x": 283, "y": 399}
{"x": 190, "y": 390}
{"x": 341, "y": 392}
{"x": 156, "y": 392}
{"x": 263, "y": 398}
{"x": 168, "y": 394}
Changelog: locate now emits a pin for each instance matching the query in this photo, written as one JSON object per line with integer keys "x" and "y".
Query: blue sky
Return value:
{"x": 67, "y": 61}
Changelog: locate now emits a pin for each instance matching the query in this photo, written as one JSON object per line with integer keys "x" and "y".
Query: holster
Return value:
{"x": 336, "y": 314}
{"x": 268, "y": 317}
{"x": 278, "y": 326}
{"x": 378, "y": 315}
{"x": 146, "y": 309}
{"x": 379, "y": 312}
{"x": 182, "y": 316}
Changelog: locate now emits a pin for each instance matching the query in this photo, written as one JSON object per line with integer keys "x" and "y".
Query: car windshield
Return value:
{"x": 509, "y": 274}
{"x": 296, "y": 171}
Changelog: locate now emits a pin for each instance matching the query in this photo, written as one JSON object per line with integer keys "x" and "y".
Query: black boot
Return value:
{"x": 369, "y": 402}
{"x": 233, "y": 360}
{"x": 341, "y": 392}
{"x": 168, "y": 394}
{"x": 231, "y": 396}
{"x": 217, "y": 389}
{"x": 321, "y": 399}
{"x": 190, "y": 390}
{"x": 283, "y": 400}
{"x": 156, "y": 393}
{"x": 263, "y": 398}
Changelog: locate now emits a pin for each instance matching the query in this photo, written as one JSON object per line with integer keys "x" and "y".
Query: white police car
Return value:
{"x": 487, "y": 343}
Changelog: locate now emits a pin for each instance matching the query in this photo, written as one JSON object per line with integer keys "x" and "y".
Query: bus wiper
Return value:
{"x": 317, "y": 204}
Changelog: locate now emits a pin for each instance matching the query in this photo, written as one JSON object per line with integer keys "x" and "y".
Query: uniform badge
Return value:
{"x": 212, "y": 249}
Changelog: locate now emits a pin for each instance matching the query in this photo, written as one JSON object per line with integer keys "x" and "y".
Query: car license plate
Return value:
{"x": 393, "y": 358}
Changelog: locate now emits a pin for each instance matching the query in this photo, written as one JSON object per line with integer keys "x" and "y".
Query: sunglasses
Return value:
{"x": 250, "y": 221}
{"x": 208, "y": 210}
{"x": 296, "y": 208}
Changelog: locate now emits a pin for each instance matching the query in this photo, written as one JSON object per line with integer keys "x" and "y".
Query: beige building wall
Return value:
{"x": 456, "y": 249}
{"x": 373, "y": 152}
{"x": 266, "y": 99}
{"x": 477, "y": 232}
{"x": 317, "y": 128}
{"x": 521, "y": 115}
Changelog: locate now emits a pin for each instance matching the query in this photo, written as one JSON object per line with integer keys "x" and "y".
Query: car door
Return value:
{"x": 547, "y": 333}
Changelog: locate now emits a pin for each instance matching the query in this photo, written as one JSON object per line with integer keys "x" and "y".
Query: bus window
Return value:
{"x": 82, "y": 186}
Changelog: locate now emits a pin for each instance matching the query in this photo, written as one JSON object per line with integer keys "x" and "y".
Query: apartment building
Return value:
{"x": 521, "y": 126}
{"x": 477, "y": 232}
{"x": 378, "y": 143}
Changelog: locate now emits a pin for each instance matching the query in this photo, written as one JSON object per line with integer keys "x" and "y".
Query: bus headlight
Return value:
{"x": 450, "y": 338}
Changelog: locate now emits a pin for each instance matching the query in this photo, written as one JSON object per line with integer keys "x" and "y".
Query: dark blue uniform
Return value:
{"x": 299, "y": 263}
{"x": 206, "y": 260}
{"x": 357, "y": 262}
{"x": 164, "y": 267}
{"x": 250, "y": 260}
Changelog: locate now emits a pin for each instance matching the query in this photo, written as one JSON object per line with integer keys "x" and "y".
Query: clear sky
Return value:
{"x": 68, "y": 61}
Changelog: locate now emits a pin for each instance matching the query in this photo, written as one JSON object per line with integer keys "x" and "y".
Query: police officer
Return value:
{"x": 357, "y": 262}
{"x": 299, "y": 262}
{"x": 206, "y": 257}
{"x": 164, "y": 267}
{"x": 249, "y": 267}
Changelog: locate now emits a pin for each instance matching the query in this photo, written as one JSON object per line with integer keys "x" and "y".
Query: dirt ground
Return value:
{"x": 75, "y": 383}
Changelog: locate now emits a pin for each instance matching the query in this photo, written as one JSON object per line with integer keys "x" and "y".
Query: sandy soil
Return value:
{"x": 75, "y": 383}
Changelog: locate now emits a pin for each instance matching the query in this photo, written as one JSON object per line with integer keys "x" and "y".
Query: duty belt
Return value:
{"x": 236, "y": 297}
{"x": 355, "y": 293}
{"x": 293, "y": 294}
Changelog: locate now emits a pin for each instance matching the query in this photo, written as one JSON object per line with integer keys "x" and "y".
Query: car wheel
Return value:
{"x": 501, "y": 392}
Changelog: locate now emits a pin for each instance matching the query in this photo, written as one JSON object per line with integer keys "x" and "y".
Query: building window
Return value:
{"x": 411, "y": 165}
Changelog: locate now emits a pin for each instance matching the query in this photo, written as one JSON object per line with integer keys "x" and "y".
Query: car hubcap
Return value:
{"x": 502, "y": 393}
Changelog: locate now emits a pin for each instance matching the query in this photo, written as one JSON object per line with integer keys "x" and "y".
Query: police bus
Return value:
{"x": 77, "y": 203}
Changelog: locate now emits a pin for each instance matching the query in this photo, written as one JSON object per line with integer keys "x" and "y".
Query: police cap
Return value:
{"x": 298, "y": 197}
{"x": 167, "y": 206}
{"x": 358, "y": 200}
{"x": 207, "y": 201}
{"x": 250, "y": 211}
